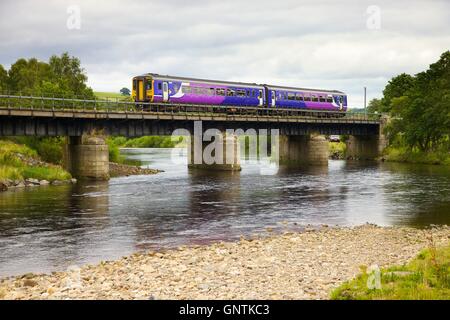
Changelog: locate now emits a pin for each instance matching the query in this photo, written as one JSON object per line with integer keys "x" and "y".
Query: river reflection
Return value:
{"x": 50, "y": 228}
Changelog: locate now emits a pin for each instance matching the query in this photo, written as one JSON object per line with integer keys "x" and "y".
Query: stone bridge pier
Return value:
{"x": 222, "y": 153}
{"x": 302, "y": 150}
{"x": 86, "y": 157}
{"x": 368, "y": 147}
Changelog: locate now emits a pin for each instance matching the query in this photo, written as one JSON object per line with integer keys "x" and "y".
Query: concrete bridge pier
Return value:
{"x": 304, "y": 150}
{"x": 367, "y": 147}
{"x": 86, "y": 157}
{"x": 222, "y": 153}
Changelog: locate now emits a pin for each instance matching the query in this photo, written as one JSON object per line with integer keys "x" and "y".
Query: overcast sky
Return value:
{"x": 342, "y": 45}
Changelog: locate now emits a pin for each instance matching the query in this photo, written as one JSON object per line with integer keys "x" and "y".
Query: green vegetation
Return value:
{"x": 49, "y": 149}
{"x": 426, "y": 277}
{"x": 337, "y": 149}
{"x": 111, "y": 96}
{"x": 18, "y": 161}
{"x": 61, "y": 76}
{"x": 420, "y": 110}
{"x": 146, "y": 142}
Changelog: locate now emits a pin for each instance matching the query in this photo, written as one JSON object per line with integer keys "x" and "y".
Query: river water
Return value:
{"x": 51, "y": 228}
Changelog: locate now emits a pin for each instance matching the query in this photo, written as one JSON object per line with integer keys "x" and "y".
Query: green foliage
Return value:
{"x": 48, "y": 148}
{"x": 125, "y": 91}
{"x": 420, "y": 107}
{"x": 114, "y": 151}
{"x": 45, "y": 173}
{"x": 14, "y": 159}
{"x": 426, "y": 277}
{"x": 3, "y": 79}
{"x": 375, "y": 106}
{"x": 8, "y": 172}
{"x": 152, "y": 142}
{"x": 337, "y": 149}
{"x": 61, "y": 76}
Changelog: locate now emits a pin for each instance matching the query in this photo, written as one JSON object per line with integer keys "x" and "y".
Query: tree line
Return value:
{"x": 420, "y": 108}
{"x": 61, "y": 76}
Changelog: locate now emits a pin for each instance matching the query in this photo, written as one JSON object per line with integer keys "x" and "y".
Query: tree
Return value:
{"x": 423, "y": 111}
{"x": 375, "y": 106}
{"x": 125, "y": 91}
{"x": 61, "y": 76}
{"x": 3, "y": 79}
{"x": 397, "y": 87}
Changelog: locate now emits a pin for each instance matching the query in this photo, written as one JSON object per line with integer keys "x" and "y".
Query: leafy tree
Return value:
{"x": 396, "y": 88}
{"x": 62, "y": 76}
{"x": 375, "y": 105}
{"x": 422, "y": 112}
{"x": 125, "y": 91}
{"x": 3, "y": 79}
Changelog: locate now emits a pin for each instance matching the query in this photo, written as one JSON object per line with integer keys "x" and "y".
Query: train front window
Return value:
{"x": 149, "y": 84}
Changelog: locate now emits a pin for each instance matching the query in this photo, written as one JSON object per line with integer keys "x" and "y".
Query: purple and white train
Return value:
{"x": 153, "y": 87}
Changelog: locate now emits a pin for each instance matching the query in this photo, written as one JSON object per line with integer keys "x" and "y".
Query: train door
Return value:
{"x": 165, "y": 91}
{"x": 140, "y": 94}
{"x": 260, "y": 97}
{"x": 273, "y": 98}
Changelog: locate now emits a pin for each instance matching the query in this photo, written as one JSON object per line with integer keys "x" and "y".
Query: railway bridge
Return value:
{"x": 85, "y": 123}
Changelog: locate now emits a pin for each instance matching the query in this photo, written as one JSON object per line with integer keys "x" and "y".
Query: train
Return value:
{"x": 152, "y": 87}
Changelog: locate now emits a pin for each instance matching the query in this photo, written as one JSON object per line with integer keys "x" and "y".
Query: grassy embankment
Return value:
{"x": 403, "y": 154}
{"x": 19, "y": 162}
{"x": 425, "y": 277}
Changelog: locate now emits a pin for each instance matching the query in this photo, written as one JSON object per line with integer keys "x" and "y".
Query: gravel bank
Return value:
{"x": 120, "y": 170}
{"x": 303, "y": 265}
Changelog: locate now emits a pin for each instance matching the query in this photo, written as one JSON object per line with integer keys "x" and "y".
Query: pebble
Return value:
{"x": 302, "y": 265}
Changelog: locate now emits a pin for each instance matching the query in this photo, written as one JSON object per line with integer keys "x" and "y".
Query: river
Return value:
{"x": 53, "y": 227}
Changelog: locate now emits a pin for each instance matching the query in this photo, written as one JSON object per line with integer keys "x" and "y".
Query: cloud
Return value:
{"x": 324, "y": 44}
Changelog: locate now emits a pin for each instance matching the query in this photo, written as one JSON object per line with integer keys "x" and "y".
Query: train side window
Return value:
{"x": 240, "y": 93}
{"x": 307, "y": 97}
{"x": 134, "y": 84}
{"x": 230, "y": 93}
{"x": 291, "y": 96}
{"x": 329, "y": 99}
{"x": 300, "y": 96}
{"x": 220, "y": 91}
{"x": 159, "y": 86}
{"x": 211, "y": 91}
{"x": 314, "y": 98}
{"x": 321, "y": 99}
{"x": 186, "y": 89}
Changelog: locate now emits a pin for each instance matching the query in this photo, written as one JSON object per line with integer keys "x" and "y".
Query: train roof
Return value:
{"x": 240, "y": 84}
{"x": 219, "y": 82}
{"x": 304, "y": 89}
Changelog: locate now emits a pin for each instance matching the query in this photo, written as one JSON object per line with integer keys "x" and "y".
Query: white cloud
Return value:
{"x": 323, "y": 44}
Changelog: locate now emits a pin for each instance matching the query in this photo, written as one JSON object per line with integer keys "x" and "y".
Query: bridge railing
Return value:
{"x": 110, "y": 105}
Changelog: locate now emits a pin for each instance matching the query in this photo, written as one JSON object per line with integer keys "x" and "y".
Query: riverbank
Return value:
{"x": 21, "y": 166}
{"x": 306, "y": 265}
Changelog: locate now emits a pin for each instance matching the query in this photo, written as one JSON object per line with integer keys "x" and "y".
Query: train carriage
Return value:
{"x": 156, "y": 88}
{"x": 153, "y": 87}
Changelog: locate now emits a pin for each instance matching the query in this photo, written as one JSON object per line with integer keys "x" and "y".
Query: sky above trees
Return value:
{"x": 341, "y": 45}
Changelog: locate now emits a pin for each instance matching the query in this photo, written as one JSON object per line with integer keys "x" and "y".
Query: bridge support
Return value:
{"x": 221, "y": 154}
{"x": 87, "y": 157}
{"x": 367, "y": 147}
{"x": 303, "y": 150}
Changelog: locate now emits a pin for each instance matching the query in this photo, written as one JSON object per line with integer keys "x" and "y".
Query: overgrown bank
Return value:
{"x": 21, "y": 166}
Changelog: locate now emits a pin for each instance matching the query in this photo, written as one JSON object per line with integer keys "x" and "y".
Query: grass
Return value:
{"x": 14, "y": 166}
{"x": 427, "y": 277}
{"x": 112, "y": 96}
{"x": 337, "y": 149}
{"x": 403, "y": 154}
